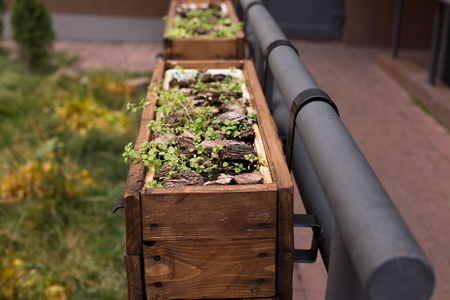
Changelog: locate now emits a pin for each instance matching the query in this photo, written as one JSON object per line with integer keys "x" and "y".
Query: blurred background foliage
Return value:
{"x": 61, "y": 138}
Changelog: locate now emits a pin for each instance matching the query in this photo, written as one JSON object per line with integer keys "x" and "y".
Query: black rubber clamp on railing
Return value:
{"x": 120, "y": 203}
{"x": 308, "y": 255}
{"x": 305, "y": 97}
{"x": 269, "y": 49}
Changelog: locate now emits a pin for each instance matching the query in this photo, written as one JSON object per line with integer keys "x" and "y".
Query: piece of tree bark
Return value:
{"x": 211, "y": 144}
{"x": 164, "y": 170}
{"x": 233, "y": 107}
{"x": 235, "y": 151}
{"x": 249, "y": 178}
{"x": 223, "y": 179}
{"x": 235, "y": 117}
{"x": 184, "y": 178}
{"x": 187, "y": 139}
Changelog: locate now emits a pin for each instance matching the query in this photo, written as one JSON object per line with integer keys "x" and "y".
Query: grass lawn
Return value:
{"x": 61, "y": 139}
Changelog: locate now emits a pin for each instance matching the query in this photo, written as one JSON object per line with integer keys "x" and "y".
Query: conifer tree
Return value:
{"x": 32, "y": 30}
{"x": 2, "y": 11}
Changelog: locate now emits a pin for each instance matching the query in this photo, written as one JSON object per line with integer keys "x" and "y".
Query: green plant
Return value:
{"x": 32, "y": 30}
{"x": 2, "y": 11}
{"x": 81, "y": 116}
{"x": 66, "y": 184}
{"x": 49, "y": 173}
{"x": 204, "y": 23}
{"x": 199, "y": 124}
{"x": 233, "y": 129}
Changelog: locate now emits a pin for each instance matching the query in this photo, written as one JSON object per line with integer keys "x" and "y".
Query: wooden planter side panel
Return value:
{"x": 135, "y": 280}
{"x": 209, "y": 213}
{"x": 204, "y": 65}
{"x": 281, "y": 175}
{"x": 204, "y": 48}
{"x": 136, "y": 175}
{"x": 210, "y": 269}
{"x": 240, "y": 36}
{"x": 167, "y": 43}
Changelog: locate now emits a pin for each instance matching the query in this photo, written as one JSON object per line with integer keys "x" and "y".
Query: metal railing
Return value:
{"x": 367, "y": 249}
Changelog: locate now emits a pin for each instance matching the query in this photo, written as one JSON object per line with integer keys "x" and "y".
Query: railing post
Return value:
{"x": 397, "y": 27}
{"x": 436, "y": 41}
{"x": 343, "y": 281}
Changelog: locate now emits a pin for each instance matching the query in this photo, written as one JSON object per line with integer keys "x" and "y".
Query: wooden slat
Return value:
{"x": 240, "y": 45}
{"x": 135, "y": 279}
{"x": 136, "y": 175}
{"x": 171, "y": 12}
{"x": 209, "y": 212}
{"x": 281, "y": 176}
{"x": 204, "y": 65}
{"x": 213, "y": 269}
{"x": 240, "y": 35}
{"x": 203, "y": 48}
{"x": 259, "y": 146}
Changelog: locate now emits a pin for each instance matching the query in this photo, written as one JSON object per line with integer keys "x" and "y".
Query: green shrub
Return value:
{"x": 2, "y": 10}
{"x": 32, "y": 30}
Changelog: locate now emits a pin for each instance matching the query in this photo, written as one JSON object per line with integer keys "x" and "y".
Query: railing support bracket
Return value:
{"x": 309, "y": 255}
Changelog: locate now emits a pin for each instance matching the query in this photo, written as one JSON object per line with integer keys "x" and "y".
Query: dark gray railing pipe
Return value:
{"x": 308, "y": 184}
{"x": 343, "y": 281}
{"x": 268, "y": 31}
{"x": 389, "y": 262}
{"x": 387, "y": 259}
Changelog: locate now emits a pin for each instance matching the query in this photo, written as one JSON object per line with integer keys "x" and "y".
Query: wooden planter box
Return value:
{"x": 204, "y": 48}
{"x": 211, "y": 242}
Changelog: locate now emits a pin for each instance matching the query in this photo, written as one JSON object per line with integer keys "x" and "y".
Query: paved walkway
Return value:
{"x": 116, "y": 56}
{"x": 408, "y": 149}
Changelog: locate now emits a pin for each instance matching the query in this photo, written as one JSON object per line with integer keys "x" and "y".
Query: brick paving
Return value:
{"x": 118, "y": 56}
{"x": 407, "y": 148}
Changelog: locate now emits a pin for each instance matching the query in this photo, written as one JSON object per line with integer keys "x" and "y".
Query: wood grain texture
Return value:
{"x": 135, "y": 279}
{"x": 135, "y": 180}
{"x": 214, "y": 269}
{"x": 182, "y": 218}
{"x": 203, "y": 48}
{"x": 240, "y": 35}
{"x": 209, "y": 212}
{"x": 204, "y": 65}
{"x": 281, "y": 175}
